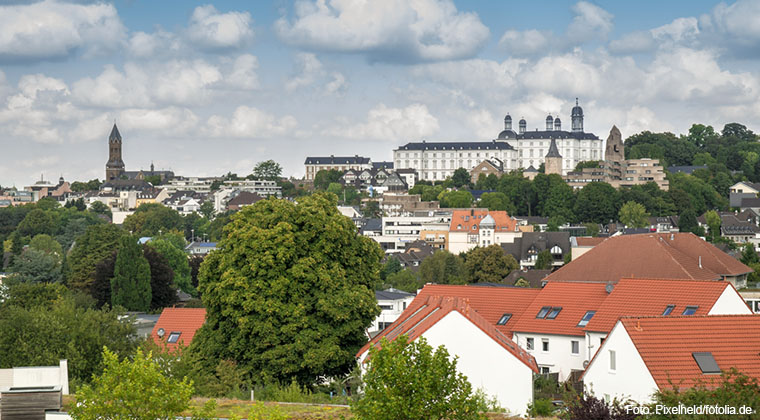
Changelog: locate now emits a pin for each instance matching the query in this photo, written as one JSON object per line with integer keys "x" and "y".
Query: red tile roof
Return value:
{"x": 666, "y": 345}
{"x": 588, "y": 241}
{"x": 182, "y": 320}
{"x": 490, "y": 302}
{"x": 669, "y": 256}
{"x": 422, "y": 315}
{"x": 469, "y": 220}
{"x": 650, "y": 297}
{"x": 574, "y": 298}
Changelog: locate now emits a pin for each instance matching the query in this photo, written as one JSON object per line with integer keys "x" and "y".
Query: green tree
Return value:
{"x": 151, "y": 218}
{"x": 91, "y": 185}
{"x": 596, "y": 202}
{"x": 153, "y": 179}
{"x": 162, "y": 290}
{"x": 749, "y": 255}
{"x": 130, "y": 286}
{"x": 98, "y": 242}
{"x": 406, "y": 280}
{"x": 47, "y": 244}
{"x": 586, "y": 164}
{"x": 34, "y": 266}
{"x": 554, "y": 223}
{"x": 411, "y": 381}
{"x": 461, "y": 177}
{"x": 560, "y": 201}
{"x": 289, "y": 292}
{"x": 713, "y": 223}
{"x": 544, "y": 260}
{"x": 687, "y": 221}
{"x": 391, "y": 266}
{"x": 455, "y": 199}
{"x": 336, "y": 189}
{"x": 443, "y": 267}
{"x": 207, "y": 209}
{"x": 634, "y": 215}
{"x": 371, "y": 208}
{"x": 99, "y": 207}
{"x": 42, "y": 335}
{"x": 178, "y": 262}
{"x": 268, "y": 170}
{"x": 488, "y": 264}
{"x": 323, "y": 178}
{"x": 496, "y": 201}
{"x": 132, "y": 389}
{"x": 37, "y": 222}
{"x": 592, "y": 229}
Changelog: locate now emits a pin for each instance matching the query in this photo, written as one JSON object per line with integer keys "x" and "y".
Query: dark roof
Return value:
{"x": 507, "y": 134}
{"x": 337, "y": 160}
{"x": 556, "y": 134}
{"x": 245, "y": 198}
{"x": 553, "y": 151}
{"x": 476, "y": 194}
{"x": 539, "y": 241}
{"x": 126, "y": 184}
{"x": 750, "y": 202}
{"x": 533, "y": 277}
{"x": 371, "y": 225}
{"x": 473, "y": 145}
{"x": 685, "y": 169}
{"x": 531, "y": 169}
{"x": 382, "y": 165}
{"x": 391, "y": 294}
{"x": 114, "y": 134}
{"x": 534, "y": 220}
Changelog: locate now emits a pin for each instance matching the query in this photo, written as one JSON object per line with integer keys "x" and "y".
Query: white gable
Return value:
{"x": 730, "y": 302}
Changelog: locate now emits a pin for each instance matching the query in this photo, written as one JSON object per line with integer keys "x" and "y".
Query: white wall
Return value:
{"x": 486, "y": 363}
{"x": 559, "y": 358}
{"x": 593, "y": 342}
{"x": 730, "y": 302}
{"x": 36, "y": 376}
{"x": 390, "y": 315}
{"x": 631, "y": 378}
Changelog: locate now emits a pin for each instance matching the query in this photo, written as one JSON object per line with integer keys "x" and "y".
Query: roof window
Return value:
{"x": 706, "y": 362}
{"x": 173, "y": 337}
{"x": 668, "y": 310}
{"x": 586, "y": 318}
{"x": 553, "y": 313}
{"x": 504, "y": 319}
{"x": 690, "y": 310}
{"x": 542, "y": 313}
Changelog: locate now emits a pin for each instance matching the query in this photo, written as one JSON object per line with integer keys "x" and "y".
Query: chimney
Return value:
{"x": 700, "y": 261}
{"x": 672, "y": 236}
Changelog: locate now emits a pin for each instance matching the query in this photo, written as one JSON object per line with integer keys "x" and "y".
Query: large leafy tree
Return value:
{"x": 178, "y": 262}
{"x": 289, "y": 292}
{"x": 633, "y": 214}
{"x": 38, "y": 221}
{"x": 150, "y": 219}
{"x": 132, "y": 389}
{"x": 597, "y": 202}
{"x": 461, "y": 177}
{"x": 130, "y": 285}
{"x": 324, "y": 178}
{"x": 267, "y": 170}
{"x": 34, "y": 266}
{"x": 443, "y": 267}
{"x": 455, "y": 199}
{"x": 412, "y": 381}
{"x": 488, "y": 264}
{"x": 163, "y": 293}
{"x": 98, "y": 242}
{"x": 496, "y": 201}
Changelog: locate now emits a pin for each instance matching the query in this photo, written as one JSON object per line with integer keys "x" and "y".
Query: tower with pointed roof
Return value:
{"x": 114, "y": 166}
{"x": 553, "y": 160}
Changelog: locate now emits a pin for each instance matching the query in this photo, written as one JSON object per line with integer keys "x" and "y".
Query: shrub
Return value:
{"x": 542, "y": 407}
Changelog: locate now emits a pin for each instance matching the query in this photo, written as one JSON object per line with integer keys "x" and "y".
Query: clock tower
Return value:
{"x": 114, "y": 166}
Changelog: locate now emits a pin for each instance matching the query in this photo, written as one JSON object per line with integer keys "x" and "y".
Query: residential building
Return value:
{"x": 405, "y": 204}
{"x": 752, "y": 297}
{"x": 392, "y": 303}
{"x": 480, "y": 227}
{"x": 487, "y": 167}
{"x": 579, "y": 245}
{"x": 340, "y": 163}
{"x": 643, "y": 355}
{"x": 488, "y": 358}
{"x": 177, "y": 326}
{"x": 742, "y": 190}
{"x": 195, "y": 184}
{"x": 372, "y": 227}
{"x": 200, "y": 248}
{"x": 663, "y": 224}
{"x": 37, "y": 377}
{"x": 409, "y": 176}
{"x": 414, "y": 253}
{"x": 526, "y": 247}
{"x": 242, "y": 199}
{"x": 521, "y": 149}
{"x": 151, "y": 196}
{"x": 653, "y": 255}
{"x": 399, "y": 230}
{"x": 376, "y": 181}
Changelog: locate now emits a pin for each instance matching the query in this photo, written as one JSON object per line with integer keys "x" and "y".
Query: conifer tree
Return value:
{"x": 130, "y": 286}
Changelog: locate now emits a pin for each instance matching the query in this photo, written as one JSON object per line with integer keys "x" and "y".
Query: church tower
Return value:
{"x": 553, "y": 160}
{"x": 114, "y": 166}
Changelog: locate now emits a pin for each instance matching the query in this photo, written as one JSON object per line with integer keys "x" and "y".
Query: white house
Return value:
{"x": 480, "y": 227}
{"x": 490, "y": 360}
{"x": 392, "y": 304}
{"x": 643, "y": 355}
{"x": 37, "y": 376}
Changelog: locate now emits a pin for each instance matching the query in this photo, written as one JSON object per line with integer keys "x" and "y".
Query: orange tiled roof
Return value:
{"x": 420, "y": 317}
{"x": 574, "y": 298}
{"x": 588, "y": 241}
{"x": 469, "y": 221}
{"x": 668, "y": 256}
{"x": 666, "y": 345}
{"x": 650, "y": 297}
{"x": 490, "y": 302}
{"x": 182, "y": 320}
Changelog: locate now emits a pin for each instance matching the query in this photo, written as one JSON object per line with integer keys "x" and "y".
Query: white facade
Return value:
{"x": 37, "y": 376}
{"x": 390, "y": 310}
{"x": 438, "y": 161}
{"x": 465, "y": 241}
{"x": 730, "y": 302}
{"x": 559, "y": 357}
{"x": 627, "y": 377}
{"x": 400, "y": 230}
{"x": 487, "y": 364}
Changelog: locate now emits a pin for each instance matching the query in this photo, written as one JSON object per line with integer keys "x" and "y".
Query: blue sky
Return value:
{"x": 204, "y": 88}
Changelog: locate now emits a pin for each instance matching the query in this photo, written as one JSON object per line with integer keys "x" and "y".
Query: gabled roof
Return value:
{"x": 391, "y": 294}
{"x": 521, "y": 248}
{"x": 469, "y": 220}
{"x": 419, "y": 317}
{"x": 667, "y": 344}
{"x": 185, "y": 321}
{"x": 490, "y": 302}
{"x": 650, "y": 297}
{"x": 667, "y": 255}
{"x": 574, "y": 298}
{"x": 245, "y": 198}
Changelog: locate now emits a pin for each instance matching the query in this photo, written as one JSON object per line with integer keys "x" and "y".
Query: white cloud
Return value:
{"x": 242, "y": 75}
{"x": 53, "y": 30}
{"x": 143, "y": 44}
{"x": 171, "y": 120}
{"x": 309, "y": 68}
{"x": 522, "y": 43}
{"x": 211, "y": 29}
{"x": 391, "y": 30}
{"x": 590, "y": 22}
{"x": 249, "y": 122}
{"x": 411, "y": 123}
{"x": 115, "y": 89}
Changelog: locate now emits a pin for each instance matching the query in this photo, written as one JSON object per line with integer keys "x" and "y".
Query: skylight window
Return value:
{"x": 542, "y": 313}
{"x": 690, "y": 310}
{"x": 504, "y": 319}
{"x": 706, "y": 362}
{"x": 173, "y": 337}
{"x": 553, "y": 313}
{"x": 668, "y": 310}
{"x": 586, "y": 318}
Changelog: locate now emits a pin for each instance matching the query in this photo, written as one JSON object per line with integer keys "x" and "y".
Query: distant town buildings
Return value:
{"x": 340, "y": 163}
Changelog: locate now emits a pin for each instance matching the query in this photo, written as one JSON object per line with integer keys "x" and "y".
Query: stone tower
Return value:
{"x": 614, "y": 149}
{"x": 114, "y": 166}
{"x": 553, "y": 160}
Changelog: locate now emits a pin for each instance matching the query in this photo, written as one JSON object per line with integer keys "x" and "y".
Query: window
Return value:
{"x": 690, "y": 310}
{"x": 542, "y": 313}
{"x": 706, "y": 362}
{"x": 529, "y": 343}
{"x": 504, "y": 318}
{"x": 545, "y": 344}
{"x": 173, "y": 337}
{"x": 386, "y": 307}
{"x": 544, "y": 370}
{"x": 586, "y": 318}
{"x": 613, "y": 362}
{"x": 668, "y": 310}
{"x": 553, "y": 313}
{"x": 575, "y": 347}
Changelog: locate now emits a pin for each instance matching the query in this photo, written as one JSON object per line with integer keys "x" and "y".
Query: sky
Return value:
{"x": 205, "y": 88}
